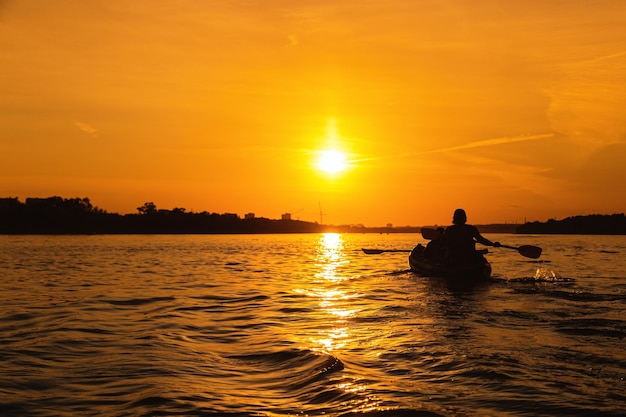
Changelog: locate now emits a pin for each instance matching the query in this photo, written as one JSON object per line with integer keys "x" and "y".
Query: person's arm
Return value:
{"x": 480, "y": 239}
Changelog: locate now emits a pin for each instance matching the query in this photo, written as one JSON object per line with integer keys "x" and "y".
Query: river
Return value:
{"x": 307, "y": 324}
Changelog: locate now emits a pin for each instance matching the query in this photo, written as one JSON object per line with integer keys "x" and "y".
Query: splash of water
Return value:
{"x": 546, "y": 274}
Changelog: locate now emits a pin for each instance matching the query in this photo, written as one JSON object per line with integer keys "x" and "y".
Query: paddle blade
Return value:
{"x": 530, "y": 251}
{"x": 430, "y": 234}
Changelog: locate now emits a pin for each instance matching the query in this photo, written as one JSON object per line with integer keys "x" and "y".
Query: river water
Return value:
{"x": 307, "y": 324}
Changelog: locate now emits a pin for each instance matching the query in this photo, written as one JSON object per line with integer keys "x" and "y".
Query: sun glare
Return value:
{"x": 332, "y": 161}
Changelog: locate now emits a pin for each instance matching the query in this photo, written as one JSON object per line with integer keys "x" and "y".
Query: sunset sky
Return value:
{"x": 511, "y": 110}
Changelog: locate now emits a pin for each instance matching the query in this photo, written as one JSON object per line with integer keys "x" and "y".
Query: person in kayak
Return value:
{"x": 436, "y": 250}
{"x": 460, "y": 240}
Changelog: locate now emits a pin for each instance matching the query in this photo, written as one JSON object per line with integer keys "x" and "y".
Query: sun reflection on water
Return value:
{"x": 330, "y": 256}
{"x": 335, "y": 296}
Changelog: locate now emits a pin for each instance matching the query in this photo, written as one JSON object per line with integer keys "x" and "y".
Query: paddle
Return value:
{"x": 430, "y": 234}
{"x": 528, "y": 251}
{"x": 427, "y": 233}
{"x": 379, "y": 251}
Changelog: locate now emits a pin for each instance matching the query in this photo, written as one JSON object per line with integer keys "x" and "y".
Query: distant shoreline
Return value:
{"x": 77, "y": 216}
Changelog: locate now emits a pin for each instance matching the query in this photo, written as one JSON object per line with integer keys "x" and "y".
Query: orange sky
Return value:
{"x": 511, "y": 110}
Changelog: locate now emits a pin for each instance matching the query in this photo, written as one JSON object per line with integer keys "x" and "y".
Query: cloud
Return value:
{"x": 293, "y": 40}
{"x": 493, "y": 142}
{"x": 586, "y": 104}
{"x": 471, "y": 145}
{"x": 87, "y": 128}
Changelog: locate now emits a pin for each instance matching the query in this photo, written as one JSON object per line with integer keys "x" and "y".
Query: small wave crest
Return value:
{"x": 301, "y": 367}
{"x": 395, "y": 412}
{"x": 304, "y": 376}
{"x": 138, "y": 301}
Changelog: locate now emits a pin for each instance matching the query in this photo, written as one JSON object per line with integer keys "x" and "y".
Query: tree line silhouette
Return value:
{"x": 594, "y": 224}
{"x": 56, "y": 215}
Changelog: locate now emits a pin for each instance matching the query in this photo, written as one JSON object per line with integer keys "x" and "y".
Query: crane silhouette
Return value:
{"x": 322, "y": 214}
{"x": 294, "y": 212}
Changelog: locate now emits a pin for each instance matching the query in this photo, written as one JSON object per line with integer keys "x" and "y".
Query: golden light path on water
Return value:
{"x": 335, "y": 307}
{"x": 332, "y": 301}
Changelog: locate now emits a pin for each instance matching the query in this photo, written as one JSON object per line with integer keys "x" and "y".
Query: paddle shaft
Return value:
{"x": 528, "y": 251}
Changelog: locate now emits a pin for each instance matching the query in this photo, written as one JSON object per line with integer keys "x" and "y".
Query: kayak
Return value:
{"x": 479, "y": 270}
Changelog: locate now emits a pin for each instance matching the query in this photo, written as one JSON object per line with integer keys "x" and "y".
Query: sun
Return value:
{"x": 332, "y": 161}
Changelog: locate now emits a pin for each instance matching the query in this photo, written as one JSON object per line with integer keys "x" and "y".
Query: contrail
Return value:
{"x": 492, "y": 142}
{"x": 478, "y": 144}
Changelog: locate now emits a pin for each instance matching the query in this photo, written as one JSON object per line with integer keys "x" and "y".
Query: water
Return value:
{"x": 277, "y": 325}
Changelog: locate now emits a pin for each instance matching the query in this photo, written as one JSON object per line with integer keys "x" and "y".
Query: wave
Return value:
{"x": 315, "y": 381}
{"x": 139, "y": 301}
{"x": 299, "y": 367}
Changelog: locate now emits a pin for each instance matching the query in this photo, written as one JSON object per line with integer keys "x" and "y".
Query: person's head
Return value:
{"x": 459, "y": 216}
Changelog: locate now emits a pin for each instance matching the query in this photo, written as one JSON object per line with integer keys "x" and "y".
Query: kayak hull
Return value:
{"x": 480, "y": 270}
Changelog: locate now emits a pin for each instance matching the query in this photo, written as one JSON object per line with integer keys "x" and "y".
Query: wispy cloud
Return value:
{"x": 494, "y": 142}
{"x": 586, "y": 104}
{"x": 471, "y": 145}
{"x": 87, "y": 128}
{"x": 293, "y": 40}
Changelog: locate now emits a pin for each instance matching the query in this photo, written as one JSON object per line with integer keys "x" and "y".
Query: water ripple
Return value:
{"x": 304, "y": 325}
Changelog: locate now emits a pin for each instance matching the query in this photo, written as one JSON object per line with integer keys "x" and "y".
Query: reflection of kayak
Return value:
{"x": 475, "y": 271}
